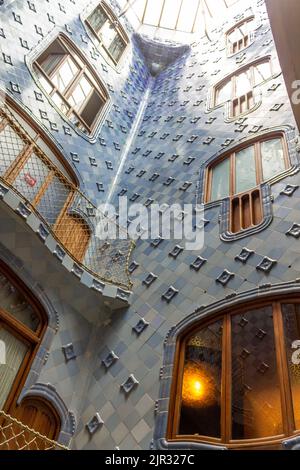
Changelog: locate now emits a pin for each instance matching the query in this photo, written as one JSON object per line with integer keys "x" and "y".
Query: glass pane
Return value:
{"x": 92, "y": 109}
{"x": 31, "y": 177}
{"x": 291, "y": 320}
{"x": 80, "y": 93}
{"x": 97, "y": 19}
{"x": 243, "y": 83}
{"x": 262, "y": 72}
{"x": 15, "y": 353}
{"x": 11, "y": 145}
{"x": 45, "y": 83}
{"x": 256, "y": 405}
{"x": 224, "y": 93}
{"x": 65, "y": 74}
{"x": 53, "y": 200}
{"x": 272, "y": 158}
{"x": 60, "y": 103}
{"x": 117, "y": 47}
{"x": 108, "y": 34}
{"x": 51, "y": 61}
{"x": 245, "y": 172}
{"x": 14, "y": 302}
{"x": 201, "y": 387}
{"x": 220, "y": 180}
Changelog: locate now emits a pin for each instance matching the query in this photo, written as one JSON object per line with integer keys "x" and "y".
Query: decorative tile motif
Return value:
{"x": 177, "y": 250}
{"x": 133, "y": 266}
{"x": 69, "y": 352}
{"x": 140, "y": 326}
{"x": 170, "y": 294}
{"x": 129, "y": 384}
{"x": 244, "y": 255}
{"x": 266, "y": 265}
{"x": 289, "y": 190}
{"x": 149, "y": 279}
{"x": 294, "y": 231}
{"x": 94, "y": 424}
{"x": 225, "y": 277}
{"x": 109, "y": 360}
{"x": 198, "y": 263}
{"x": 155, "y": 243}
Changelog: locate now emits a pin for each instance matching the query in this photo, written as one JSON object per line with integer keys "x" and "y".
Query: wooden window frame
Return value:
{"x": 83, "y": 71}
{"x": 32, "y": 338}
{"x": 284, "y": 381}
{"x": 117, "y": 26}
{"x": 249, "y": 38}
{"x": 256, "y": 142}
{"x": 233, "y": 80}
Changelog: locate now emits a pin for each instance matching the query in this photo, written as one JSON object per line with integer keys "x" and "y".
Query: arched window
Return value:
{"x": 71, "y": 83}
{"x": 108, "y": 32}
{"x": 239, "y": 173}
{"x": 30, "y": 164}
{"x": 237, "y": 378}
{"x": 239, "y": 88}
{"x": 240, "y": 36}
{"x": 22, "y": 325}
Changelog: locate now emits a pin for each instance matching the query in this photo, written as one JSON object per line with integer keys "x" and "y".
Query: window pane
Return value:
{"x": 97, "y": 19}
{"x": 15, "y": 355}
{"x": 201, "y": 387}
{"x": 65, "y": 74}
{"x": 243, "y": 83}
{"x": 220, "y": 180}
{"x": 291, "y": 319}
{"x": 117, "y": 47}
{"x": 256, "y": 405}
{"x": 262, "y": 72}
{"x": 60, "y": 103}
{"x": 245, "y": 178}
{"x": 108, "y": 34}
{"x": 14, "y": 302}
{"x": 272, "y": 158}
{"x": 80, "y": 93}
{"x": 224, "y": 93}
{"x": 31, "y": 177}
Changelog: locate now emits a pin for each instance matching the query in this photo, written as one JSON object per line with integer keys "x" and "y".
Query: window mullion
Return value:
{"x": 232, "y": 175}
{"x": 226, "y": 382}
{"x": 283, "y": 372}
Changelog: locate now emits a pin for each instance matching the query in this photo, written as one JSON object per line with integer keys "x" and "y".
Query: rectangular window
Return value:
{"x": 108, "y": 32}
{"x": 71, "y": 84}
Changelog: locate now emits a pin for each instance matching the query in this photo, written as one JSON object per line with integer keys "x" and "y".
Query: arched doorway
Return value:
{"x": 22, "y": 326}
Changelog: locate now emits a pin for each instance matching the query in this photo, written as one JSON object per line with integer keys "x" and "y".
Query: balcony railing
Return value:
{"x": 14, "y": 435}
{"x": 65, "y": 211}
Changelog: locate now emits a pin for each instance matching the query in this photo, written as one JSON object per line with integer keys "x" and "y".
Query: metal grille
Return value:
{"x": 71, "y": 218}
{"x": 14, "y": 435}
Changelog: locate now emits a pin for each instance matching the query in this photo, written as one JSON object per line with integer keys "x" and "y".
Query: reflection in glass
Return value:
{"x": 245, "y": 170}
{"x": 291, "y": 320}
{"x": 220, "y": 180}
{"x": 243, "y": 83}
{"x": 14, "y": 302}
{"x": 272, "y": 158}
{"x": 224, "y": 93}
{"x": 201, "y": 387}
{"x": 256, "y": 405}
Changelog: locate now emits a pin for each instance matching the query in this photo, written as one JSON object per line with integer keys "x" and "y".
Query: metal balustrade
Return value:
{"x": 65, "y": 211}
{"x": 15, "y": 435}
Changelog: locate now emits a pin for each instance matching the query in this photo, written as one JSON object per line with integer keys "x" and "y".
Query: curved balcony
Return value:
{"x": 15, "y": 435}
{"x": 53, "y": 206}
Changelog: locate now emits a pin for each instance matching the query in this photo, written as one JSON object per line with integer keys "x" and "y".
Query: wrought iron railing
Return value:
{"x": 66, "y": 212}
{"x": 15, "y": 435}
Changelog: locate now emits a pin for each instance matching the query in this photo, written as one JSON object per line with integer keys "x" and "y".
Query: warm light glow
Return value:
{"x": 198, "y": 388}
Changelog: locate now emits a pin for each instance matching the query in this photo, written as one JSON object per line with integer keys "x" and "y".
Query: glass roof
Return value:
{"x": 185, "y": 16}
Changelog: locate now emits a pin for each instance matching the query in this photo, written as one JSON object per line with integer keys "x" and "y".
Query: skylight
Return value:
{"x": 186, "y": 16}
